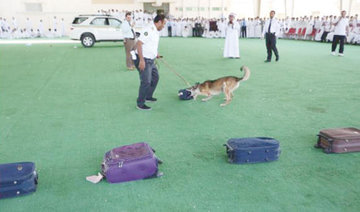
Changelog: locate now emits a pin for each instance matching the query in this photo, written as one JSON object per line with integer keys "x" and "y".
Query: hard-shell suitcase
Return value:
{"x": 131, "y": 162}
{"x": 185, "y": 94}
{"x": 339, "y": 140}
{"x": 17, "y": 179}
{"x": 252, "y": 150}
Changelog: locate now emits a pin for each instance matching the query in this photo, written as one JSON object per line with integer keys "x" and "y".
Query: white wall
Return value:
{"x": 67, "y": 9}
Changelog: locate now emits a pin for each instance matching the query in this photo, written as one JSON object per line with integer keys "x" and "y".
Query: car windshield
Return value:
{"x": 100, "y": 22}
{"x": 79, "y": 20}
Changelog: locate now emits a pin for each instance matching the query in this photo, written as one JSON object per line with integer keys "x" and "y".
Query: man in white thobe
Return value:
{"x": 231, "y": 48}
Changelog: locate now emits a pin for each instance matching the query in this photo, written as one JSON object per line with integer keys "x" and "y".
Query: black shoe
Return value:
{"x": 267, "y": 61}
{"x": 152, "y": 99}
{"x": 143, "y": 107}
{"x": 277, "y": 59}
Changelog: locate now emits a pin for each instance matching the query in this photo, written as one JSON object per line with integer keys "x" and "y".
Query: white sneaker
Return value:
{"x": 341, "y": 55}
{"x": 333, "y": 53}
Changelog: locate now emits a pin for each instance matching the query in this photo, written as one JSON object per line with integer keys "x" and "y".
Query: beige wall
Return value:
{"x": 67, "y": 9}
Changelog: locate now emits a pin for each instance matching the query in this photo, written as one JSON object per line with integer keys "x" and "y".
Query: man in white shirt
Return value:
{"x": 147, "y": 50}
{"x": 270, "y": 31}
{"x": 129, "y": 40}
{"x": 28, "y": 25}
{"x": 340, "y": 32}
{"x": 41, "y": 28}
{"x": 54, "y": 24}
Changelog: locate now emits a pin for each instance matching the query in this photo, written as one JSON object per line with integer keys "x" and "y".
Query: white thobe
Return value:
{"x": 231, "y": 48}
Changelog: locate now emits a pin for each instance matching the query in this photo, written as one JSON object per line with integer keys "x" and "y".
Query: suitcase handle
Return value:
{"x": 229, "y": 152}
{"x": 318, "y": 145}
{"x": 327, "y": 138}
{"x": 228, "y": 149}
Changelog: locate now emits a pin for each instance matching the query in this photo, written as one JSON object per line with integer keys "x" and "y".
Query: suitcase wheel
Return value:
{"x": 317, "y": 146}
{"x": 327, "y": 150}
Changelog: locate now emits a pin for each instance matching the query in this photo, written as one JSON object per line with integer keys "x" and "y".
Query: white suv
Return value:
{"x": 95, "y": 28}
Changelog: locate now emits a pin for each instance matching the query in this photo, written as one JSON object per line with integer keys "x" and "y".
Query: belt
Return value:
{"x": 149, "y": 59}
{"x": 271, "y": 33}
{"x": 130, "y": 38}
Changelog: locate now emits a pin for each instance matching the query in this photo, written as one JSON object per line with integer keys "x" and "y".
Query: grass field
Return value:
{"x": 64, "y": 107}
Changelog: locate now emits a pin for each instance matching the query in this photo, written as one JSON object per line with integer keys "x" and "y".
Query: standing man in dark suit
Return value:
{"x": 243, "y": 28}
{"x": 270, "y": 31}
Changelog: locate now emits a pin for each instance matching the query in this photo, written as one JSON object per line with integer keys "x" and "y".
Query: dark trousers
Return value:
{"x": 149, "y": 78}
{"x": 271, "y": 45}
{"x": 323, "y": 36}
{"x": 243, "y": 32}
{"x": 169, "y": 31}
{"x": 336, "y": 40}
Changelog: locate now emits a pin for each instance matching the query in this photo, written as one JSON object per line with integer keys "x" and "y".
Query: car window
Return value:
{"x": 114, "y": 22}
{"x": 79, "y": 20}
{"x": 100, "y": 22}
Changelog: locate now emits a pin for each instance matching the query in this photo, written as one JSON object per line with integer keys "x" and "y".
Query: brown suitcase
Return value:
{"x": 339, "y": 140}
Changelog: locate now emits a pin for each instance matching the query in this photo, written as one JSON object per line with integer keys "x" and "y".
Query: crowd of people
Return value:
{"x": 10, "y": 29}
{"x": 300, "y": 28}
{"x": 303, "y": 28}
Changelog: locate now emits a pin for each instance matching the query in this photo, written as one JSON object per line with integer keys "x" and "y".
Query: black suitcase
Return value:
{"x": 17, "y": 179}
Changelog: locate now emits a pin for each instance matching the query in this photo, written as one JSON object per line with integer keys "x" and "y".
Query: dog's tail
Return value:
{"x": 246, "y": 75}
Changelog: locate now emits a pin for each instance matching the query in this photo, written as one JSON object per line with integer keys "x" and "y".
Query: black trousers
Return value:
{"x": 336, "y": 40}
{"x": 169, "y": 31}
{"x": 271, "y": 45}
{"x": 323, "y": 36}
{"x": 243, "y": 32}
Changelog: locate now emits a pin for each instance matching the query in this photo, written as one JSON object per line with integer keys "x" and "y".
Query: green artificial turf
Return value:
{"x": 64, "y": 107}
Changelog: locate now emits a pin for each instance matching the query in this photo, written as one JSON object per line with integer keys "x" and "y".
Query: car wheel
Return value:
{"x": 87, "y": 40}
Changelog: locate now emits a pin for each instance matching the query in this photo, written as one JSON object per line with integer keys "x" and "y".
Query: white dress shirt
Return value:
{"x": 127, "y": 30}
{"x": 274, "y": 28}
{"x": 150, "y": 38}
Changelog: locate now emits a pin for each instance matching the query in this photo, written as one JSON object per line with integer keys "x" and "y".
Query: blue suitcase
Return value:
{"x": 185, "y": 94}
{"x": 252, "y": 150}
{"x": 17, "y": 179}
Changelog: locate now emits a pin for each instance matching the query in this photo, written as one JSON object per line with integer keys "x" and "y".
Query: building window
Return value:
{"x": 216, "y": 9}
{"x": 189, "y": 9}
{"x": 33, "y": 7}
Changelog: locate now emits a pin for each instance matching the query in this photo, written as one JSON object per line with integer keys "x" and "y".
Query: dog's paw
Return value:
{"x": 222, "y": 105}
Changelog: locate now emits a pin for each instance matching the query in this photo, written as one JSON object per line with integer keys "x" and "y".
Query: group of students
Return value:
{"x": 12, "y": 30}
{"x": 301, "y": 28}
{"x": 320, "y": 29}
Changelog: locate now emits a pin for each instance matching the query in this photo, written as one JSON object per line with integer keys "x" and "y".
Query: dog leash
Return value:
{"x": 177, "y": 74}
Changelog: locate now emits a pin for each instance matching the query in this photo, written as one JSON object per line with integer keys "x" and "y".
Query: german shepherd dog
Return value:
{"x": 227, "y": 85}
